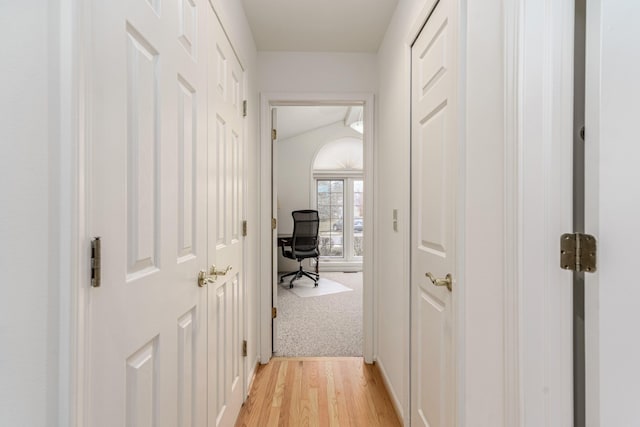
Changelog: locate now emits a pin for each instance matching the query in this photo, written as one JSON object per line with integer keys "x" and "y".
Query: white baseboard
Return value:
{"x": 252, "y": 375}
{"x": 392, "y": 394}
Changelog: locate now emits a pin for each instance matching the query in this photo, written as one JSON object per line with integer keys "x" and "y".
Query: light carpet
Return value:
{"x": 328, "y": 325}
{"x": 305, "y": 288}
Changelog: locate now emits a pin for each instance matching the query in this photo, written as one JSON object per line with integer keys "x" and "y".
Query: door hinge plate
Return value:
{"x": 274, "y": 223}
{"x": 96, "y": 262}
{"x": 274, "y": 134}
{"x": 244, "y": 228}
{"x": 578, "y": 252}
{"x": 244, "y": 108}
{"x": 244, "y": 348}
{"x": 274, "y": 312}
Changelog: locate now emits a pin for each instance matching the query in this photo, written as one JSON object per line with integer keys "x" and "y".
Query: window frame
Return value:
{"x": 348, "y": 177}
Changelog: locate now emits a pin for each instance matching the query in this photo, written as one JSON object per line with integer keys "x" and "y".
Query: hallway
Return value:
{"x": 318, "y": 392}
{"x": 139, "y": 226}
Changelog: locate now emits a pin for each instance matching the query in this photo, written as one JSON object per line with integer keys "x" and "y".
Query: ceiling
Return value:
{"x": 296, "y": 120}
{"x": 319, "y": 25}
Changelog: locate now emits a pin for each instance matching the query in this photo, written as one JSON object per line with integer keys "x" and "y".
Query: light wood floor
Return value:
{"x": 336, "y": 391}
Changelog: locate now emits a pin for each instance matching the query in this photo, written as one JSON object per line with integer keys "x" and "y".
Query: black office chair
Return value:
{"x": 303, "y": 244}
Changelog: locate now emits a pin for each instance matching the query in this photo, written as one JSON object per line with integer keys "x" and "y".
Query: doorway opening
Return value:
{"x": 318, "y": 166}
{"x": 317, "y": 155}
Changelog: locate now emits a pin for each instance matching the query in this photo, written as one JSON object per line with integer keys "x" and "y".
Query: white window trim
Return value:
{"x": 347, "y": 261}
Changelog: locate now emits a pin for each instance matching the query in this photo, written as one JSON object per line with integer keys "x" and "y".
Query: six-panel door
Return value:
{"x": 433, "y": 212}
{"x": 150, "y": 362}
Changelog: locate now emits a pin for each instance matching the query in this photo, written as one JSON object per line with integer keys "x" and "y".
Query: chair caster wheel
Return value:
{"x": 291, "y": 286}
{"x": 315, "y": 284}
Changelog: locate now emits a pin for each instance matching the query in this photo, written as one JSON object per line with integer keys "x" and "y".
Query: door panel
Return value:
{"x": 433, "y": 213}
{"x": 147, "y": 321}
{"x": 226, "y": 149}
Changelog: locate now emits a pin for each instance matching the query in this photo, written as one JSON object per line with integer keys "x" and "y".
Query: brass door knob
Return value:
{"x": 447, "y": 281}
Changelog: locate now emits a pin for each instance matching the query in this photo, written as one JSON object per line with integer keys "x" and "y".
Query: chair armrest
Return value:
{"x": 283, "y": 242}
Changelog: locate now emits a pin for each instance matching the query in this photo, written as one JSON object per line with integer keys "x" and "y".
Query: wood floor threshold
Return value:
{"x": 318, "y": 391}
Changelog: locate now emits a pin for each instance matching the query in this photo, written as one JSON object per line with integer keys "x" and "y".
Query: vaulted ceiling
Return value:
{"x": 296, "y": 120}
{"x": 319, "y": 25}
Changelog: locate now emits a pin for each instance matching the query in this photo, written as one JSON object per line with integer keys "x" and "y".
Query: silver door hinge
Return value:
{"x": 96, "y": 262}
{"x": 578, "y": 252}
{"x": 274, "y": 134}
{"x": 244, "y": 228}
{"x": 274, "y": 312}
{"x": 244, "y": 108}
{"x": 244, "y": 348}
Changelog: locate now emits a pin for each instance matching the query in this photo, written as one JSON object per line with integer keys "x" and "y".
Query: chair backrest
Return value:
{"x": 305, "y": 230}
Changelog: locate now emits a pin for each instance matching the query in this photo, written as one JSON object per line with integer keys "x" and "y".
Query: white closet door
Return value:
{"x": 146, "y": 362}
{"x": 434, "y": 146}
{"x": 225, "y": 240}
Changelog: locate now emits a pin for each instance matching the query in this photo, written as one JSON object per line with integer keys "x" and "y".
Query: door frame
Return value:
{"x": 538, "y": 353}
{"x": 538, "y": 173}
{"x": 76, "y": 39}
{"x": 543, "y": 165}
{"x": 267, "y": 270}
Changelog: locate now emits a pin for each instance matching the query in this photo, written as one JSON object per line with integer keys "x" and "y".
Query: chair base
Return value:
{"x": 298, "y": 274}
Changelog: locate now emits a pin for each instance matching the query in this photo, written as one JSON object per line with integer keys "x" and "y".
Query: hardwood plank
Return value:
{"x": 323, "y": 397}
{"x": 380, "y": 398}
{"x": 322, "y": 392}
{"x": 260, "y": 387}
{"x": 332, "y": 398}
{"x": 278, "y": 395}
{"x": 295, "y": 388}
{"x": 356, "y": 391}
{"x": 343, "y": 395}
{"x": 308, "y": 389}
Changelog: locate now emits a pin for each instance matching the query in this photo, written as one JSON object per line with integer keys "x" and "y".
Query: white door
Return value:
{"x": 146, "y": 363}
{"x": 612, "y": 199}
{"x": 434, "y": 144}
{"x": 225, "y": 240}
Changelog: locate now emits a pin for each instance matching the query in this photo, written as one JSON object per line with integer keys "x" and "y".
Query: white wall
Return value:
{"x": 316, "y": 72}
{"x": 484, "y": 216}
{"x": 28, "y": 304}
{"x": 393, "y": 176}
{"x": 481, "y": 250}
{"x": 295, "y": 163}
{"x": 611, "y": 212}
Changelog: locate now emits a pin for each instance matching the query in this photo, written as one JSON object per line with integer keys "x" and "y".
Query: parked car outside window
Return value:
{"x": 357, "y": 225}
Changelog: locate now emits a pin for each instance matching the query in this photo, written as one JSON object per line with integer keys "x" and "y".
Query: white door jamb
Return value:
{"x": 267, "y": 100}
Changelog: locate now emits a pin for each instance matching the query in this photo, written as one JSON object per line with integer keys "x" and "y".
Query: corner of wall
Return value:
{"x": 392, "y": 394}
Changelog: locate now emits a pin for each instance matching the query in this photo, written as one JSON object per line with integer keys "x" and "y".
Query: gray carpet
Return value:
{"x": 327, "y": 325}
